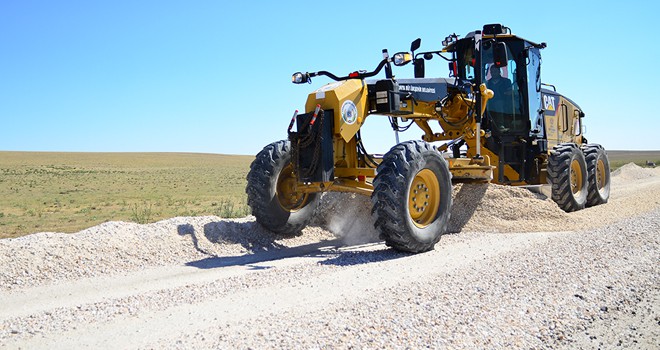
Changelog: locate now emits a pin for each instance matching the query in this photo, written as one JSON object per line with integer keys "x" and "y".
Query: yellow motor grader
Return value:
{"x": 492, "y": 119}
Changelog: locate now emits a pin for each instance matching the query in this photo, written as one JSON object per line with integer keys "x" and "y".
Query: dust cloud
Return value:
{"x": 347, "y": 216}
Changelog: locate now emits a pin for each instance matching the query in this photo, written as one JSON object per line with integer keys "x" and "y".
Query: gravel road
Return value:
{"x": 516, "y": 272}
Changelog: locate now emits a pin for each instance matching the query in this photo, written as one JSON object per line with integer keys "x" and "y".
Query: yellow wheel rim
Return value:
{"x": 288, "y": 198}
{"x": 424, "y": 198}
{"x": 600, "y": 174}
{"x": 576, "y": 177}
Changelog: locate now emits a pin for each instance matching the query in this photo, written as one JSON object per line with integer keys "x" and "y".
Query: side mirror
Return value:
{"x": 415, "y": 44}
{"x": 401, "y": 58}
{"x": 419, "y": 67}
{"x": 500, "y": 56}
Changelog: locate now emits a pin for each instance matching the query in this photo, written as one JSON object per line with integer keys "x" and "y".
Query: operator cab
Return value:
{"x": 510, "y": 66}
{"x": 514, "y": 77}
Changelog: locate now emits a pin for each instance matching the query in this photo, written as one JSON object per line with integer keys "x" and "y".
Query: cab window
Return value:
{"x": 504, "y": 109}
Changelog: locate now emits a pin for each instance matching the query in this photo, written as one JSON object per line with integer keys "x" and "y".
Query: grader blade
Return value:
{"x": 471, "y": 169}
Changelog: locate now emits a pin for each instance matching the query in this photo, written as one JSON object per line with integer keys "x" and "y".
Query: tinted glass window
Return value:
{"x": 504, "y": 109}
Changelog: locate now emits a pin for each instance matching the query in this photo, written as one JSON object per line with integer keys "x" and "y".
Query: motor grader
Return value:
{"x": 491, "y": 120}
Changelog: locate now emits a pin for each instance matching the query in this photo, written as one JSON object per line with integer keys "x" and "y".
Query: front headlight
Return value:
{"x": 299, "y": 78}
{"x": 401, "y": 58}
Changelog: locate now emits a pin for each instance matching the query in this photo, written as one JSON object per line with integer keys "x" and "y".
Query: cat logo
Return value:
{"x": 549, "y": 103}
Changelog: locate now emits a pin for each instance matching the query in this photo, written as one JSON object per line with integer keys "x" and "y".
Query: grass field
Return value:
{"x": 619, "y": 158}
{"x": 67, "y": 192}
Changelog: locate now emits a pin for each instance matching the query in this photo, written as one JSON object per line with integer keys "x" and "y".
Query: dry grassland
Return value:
{"x": 67, "y": 192}
{"x": 619, "y": 158}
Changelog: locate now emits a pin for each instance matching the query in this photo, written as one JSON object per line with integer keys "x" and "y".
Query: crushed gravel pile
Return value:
{"x": 632, "y": 171}
{"x": 496, "y": 208}
{"x": 114, "y": 247}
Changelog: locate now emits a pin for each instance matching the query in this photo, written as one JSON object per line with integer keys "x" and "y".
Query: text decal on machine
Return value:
{"x": 414, "y": 88}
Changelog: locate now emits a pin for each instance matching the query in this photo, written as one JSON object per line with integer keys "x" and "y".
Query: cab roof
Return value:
{"x": 491, "y": 31}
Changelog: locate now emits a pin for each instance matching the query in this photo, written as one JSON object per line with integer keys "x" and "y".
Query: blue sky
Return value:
{"x": 214, "y": 77}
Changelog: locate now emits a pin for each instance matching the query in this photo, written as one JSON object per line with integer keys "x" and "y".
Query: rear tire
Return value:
{"x": 412, "y": 197}
{"x": 270, "y": 193}
{"x": 598, "y": 170}
{"x": 567, "y": 173}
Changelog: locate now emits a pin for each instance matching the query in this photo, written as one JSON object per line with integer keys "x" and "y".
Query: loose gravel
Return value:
{"x": 593, "y": 283}
{"x": 564, "y": 292}
{"x": 116, "y": 247}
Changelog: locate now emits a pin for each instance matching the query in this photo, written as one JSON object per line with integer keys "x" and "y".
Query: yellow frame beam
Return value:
{"x": 339, "y": 185}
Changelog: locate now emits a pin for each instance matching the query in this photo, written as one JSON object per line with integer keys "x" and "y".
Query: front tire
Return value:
{"x": 598, "y": 170}
{"x": 567, "y": 172}
{"x": 271, "y": 195}
{"x": 412, "y": 197}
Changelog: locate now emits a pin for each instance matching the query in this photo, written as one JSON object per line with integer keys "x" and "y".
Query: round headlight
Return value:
{"x": 401, "y": 58}
{"x": 299, "y": 78}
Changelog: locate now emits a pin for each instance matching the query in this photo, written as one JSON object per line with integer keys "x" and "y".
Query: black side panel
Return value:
{"x": 427, "y": 90}
{"x": 315, "y": 148}
{"x": 387, "y": 96}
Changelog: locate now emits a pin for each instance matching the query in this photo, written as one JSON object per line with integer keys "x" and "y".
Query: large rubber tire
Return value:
{"x": 567, "y": 173}
{"x": 269, "y": 184}
{"x": 412, "y": 197}
{"x": 598, "y": 170}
